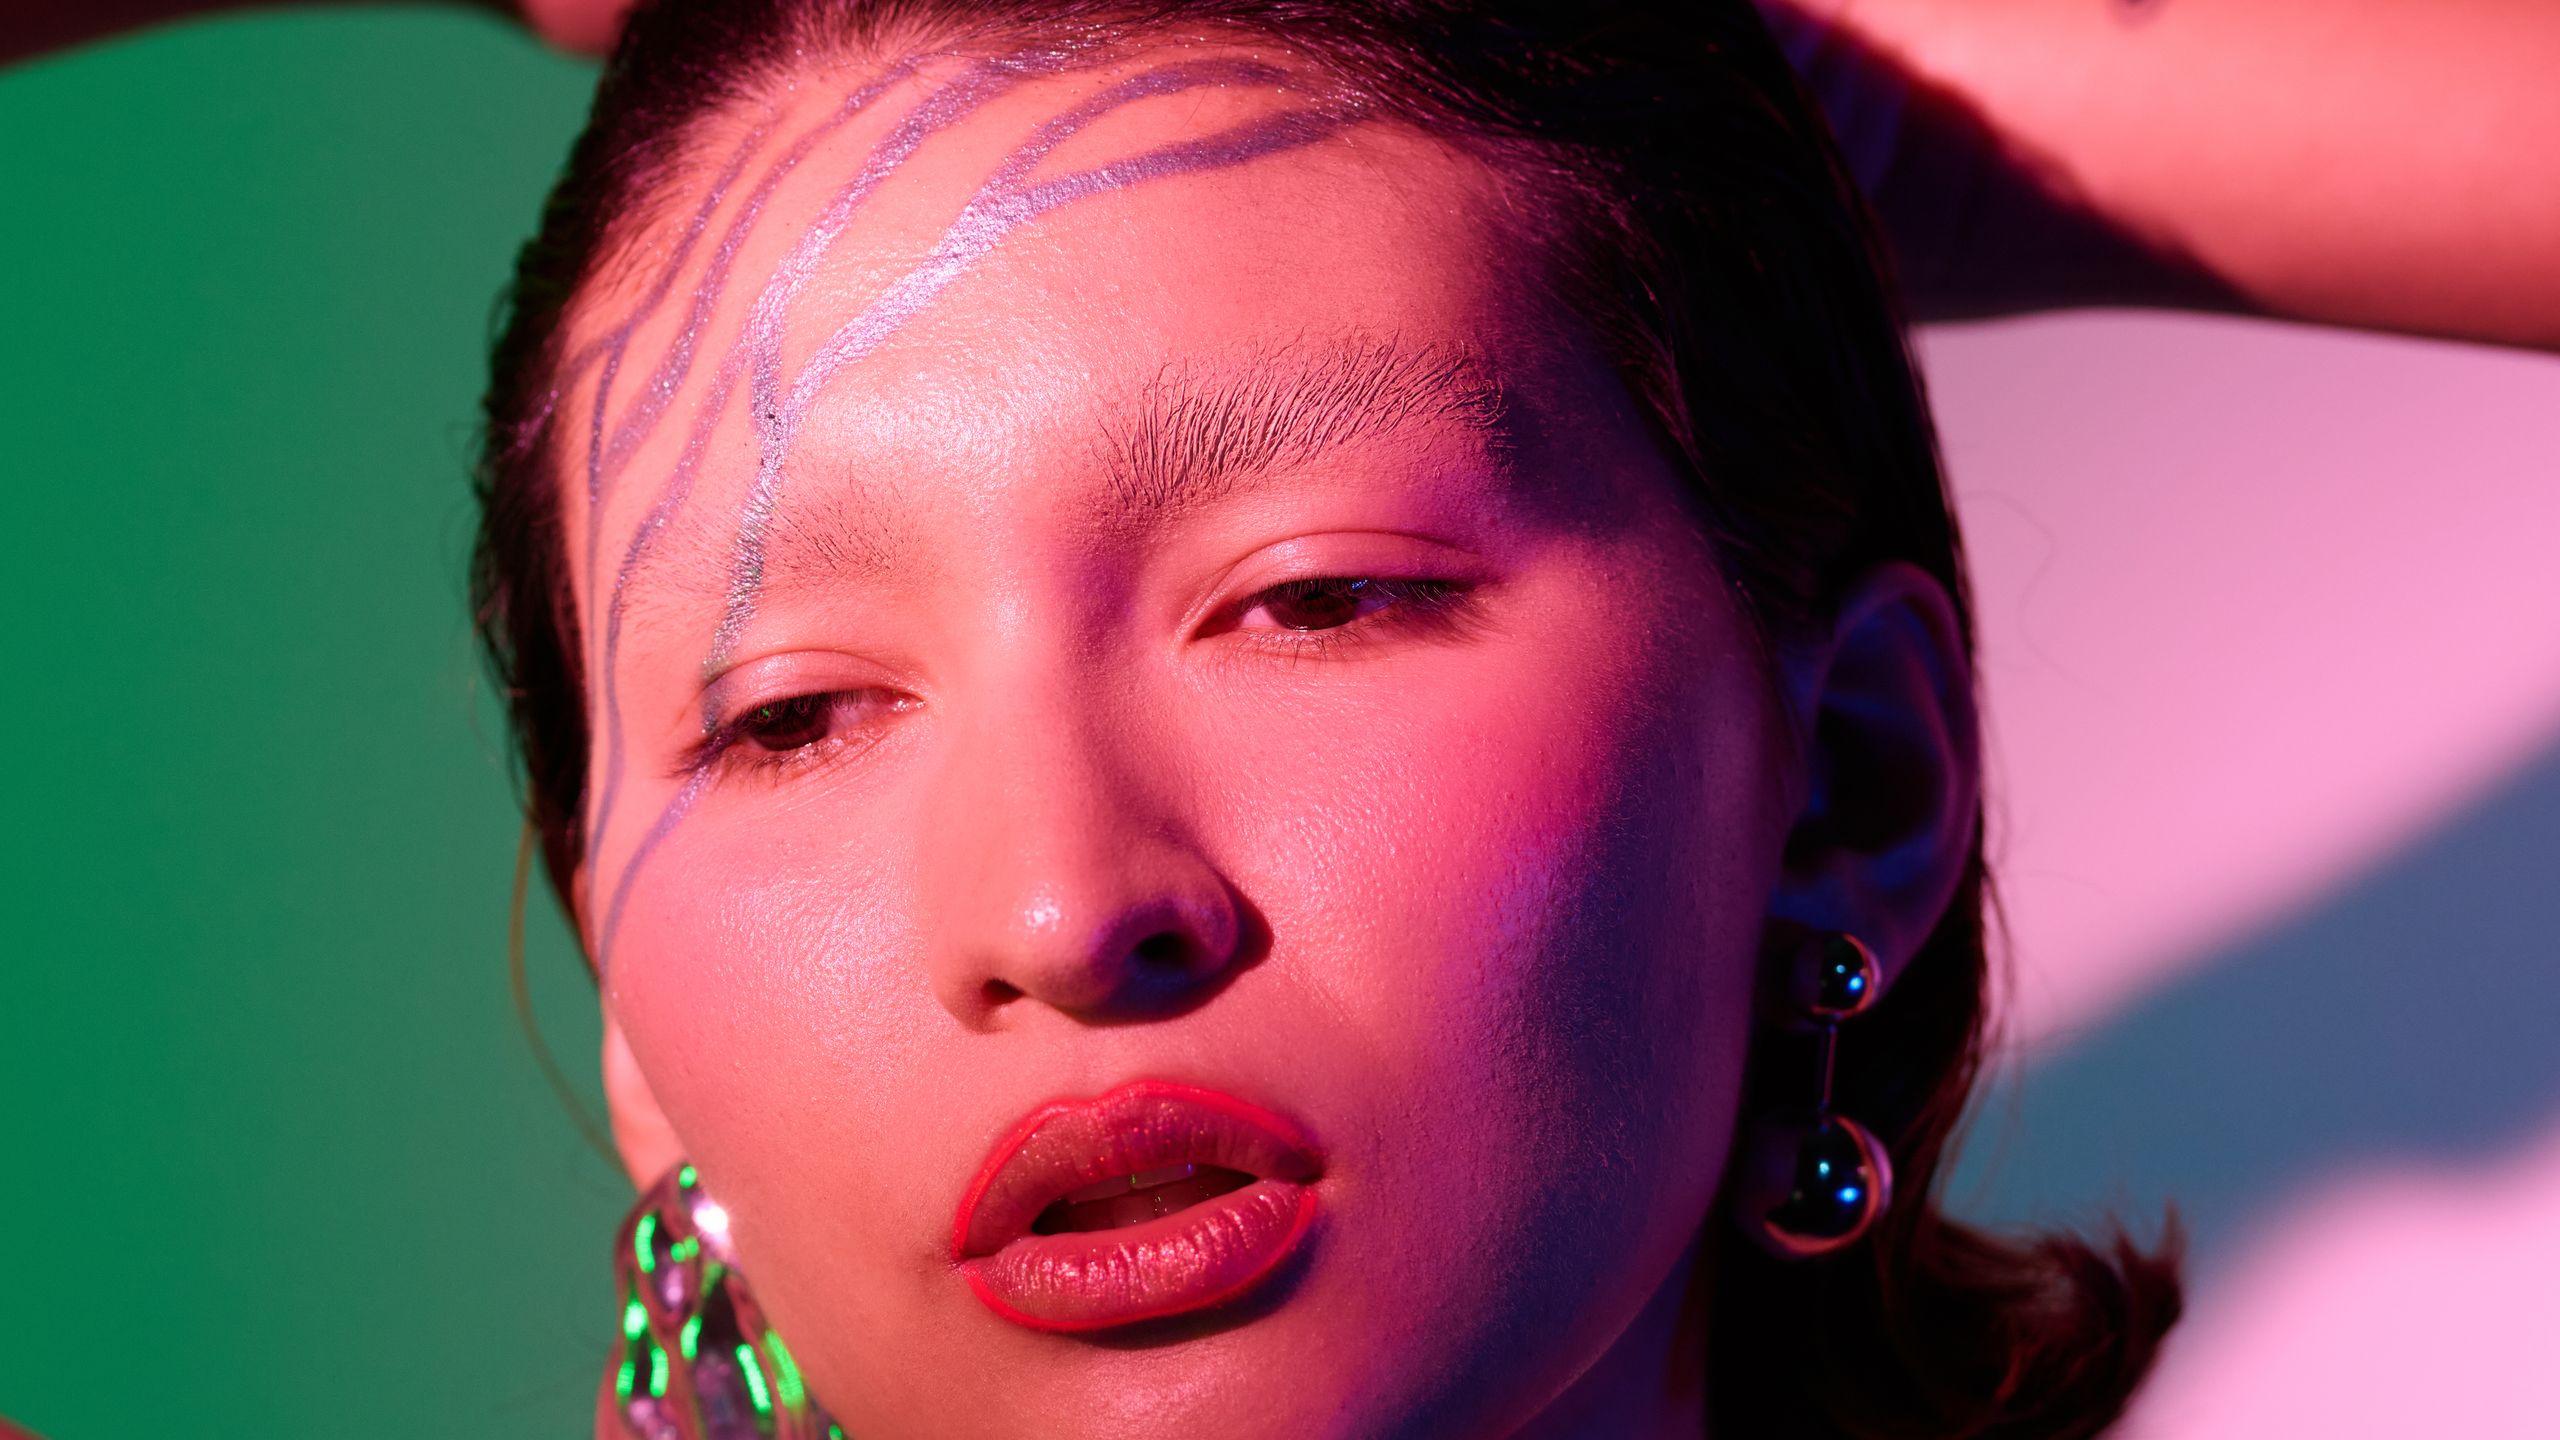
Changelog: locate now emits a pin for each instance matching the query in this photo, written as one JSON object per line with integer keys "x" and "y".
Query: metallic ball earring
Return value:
{"x": 1813, "y": 1182}
{"x": 696, "y": 1360}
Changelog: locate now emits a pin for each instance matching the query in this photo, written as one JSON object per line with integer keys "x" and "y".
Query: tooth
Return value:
{"x": 1122, "y": 1185}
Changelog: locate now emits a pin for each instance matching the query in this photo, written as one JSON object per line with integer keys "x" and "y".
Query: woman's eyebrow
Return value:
{"x": 1190, "y": 434}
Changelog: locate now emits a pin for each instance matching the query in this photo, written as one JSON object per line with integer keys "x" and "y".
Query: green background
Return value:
{"x": 280, "y": 1162}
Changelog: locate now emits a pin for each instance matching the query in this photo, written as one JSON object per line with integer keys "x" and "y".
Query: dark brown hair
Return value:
{"x": 1704, "y": 227}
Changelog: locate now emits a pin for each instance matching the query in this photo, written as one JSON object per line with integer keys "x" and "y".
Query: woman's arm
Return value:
{"x": 2380, "y": 163}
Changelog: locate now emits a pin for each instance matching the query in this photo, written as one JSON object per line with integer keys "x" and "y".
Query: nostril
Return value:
{"x": 1142, "y": 969}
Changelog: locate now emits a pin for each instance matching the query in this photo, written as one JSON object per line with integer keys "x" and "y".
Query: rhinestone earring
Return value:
{"x": 1812, "y": 1182}
{"x": 696, "y": 1360}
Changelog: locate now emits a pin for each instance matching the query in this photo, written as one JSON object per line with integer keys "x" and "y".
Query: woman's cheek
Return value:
{"x": 1447, "y": 849}
{"x": 778, "y": 942}
{"x": 1570, "y": 877}
{"x": 782, "y": 1017}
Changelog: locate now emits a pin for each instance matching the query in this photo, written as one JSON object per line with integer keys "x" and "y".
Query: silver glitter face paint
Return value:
{"x": 669, "y": 377}
{"x": 670, "y": 499}
{"x": 672, "y": 375}
{"x": 668, "y": 818}
{"x": 937, "y": 111}
{"x": 615, "y": 344}
{"x": 1001, "y": 205}
{"x": 641, "y": 423}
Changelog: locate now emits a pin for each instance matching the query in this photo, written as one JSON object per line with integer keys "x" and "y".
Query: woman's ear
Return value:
{"x": 1892, "y": 769}
{"x": 640, "y": 1130}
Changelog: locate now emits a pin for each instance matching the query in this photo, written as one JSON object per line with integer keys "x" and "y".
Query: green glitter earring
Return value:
{"x": 696, "y": 1360}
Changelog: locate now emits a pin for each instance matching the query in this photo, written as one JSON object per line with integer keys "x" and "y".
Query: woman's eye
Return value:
{"x": 1329, "y": 603}
{"x": 1332, "y": 613}
{"x": 795, "y": 731}
{"x": 791, "y": 724}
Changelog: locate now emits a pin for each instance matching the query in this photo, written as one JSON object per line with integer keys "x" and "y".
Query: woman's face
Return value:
{"x": 1119, "y": 575}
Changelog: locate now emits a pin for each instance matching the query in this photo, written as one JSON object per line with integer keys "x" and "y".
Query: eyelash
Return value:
{"x": 1429, "y": 606}
{"x": 1432, "y": 606}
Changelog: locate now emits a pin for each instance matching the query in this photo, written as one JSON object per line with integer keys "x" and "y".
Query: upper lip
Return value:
{"x": 1067, "y": 1145}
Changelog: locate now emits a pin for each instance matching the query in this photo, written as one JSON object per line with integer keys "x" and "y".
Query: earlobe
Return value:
{"x": 1891, "y": 767}
{"x": 641, "y": 1133}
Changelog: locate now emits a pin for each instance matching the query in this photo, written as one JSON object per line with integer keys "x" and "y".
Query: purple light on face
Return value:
{"x": 936, "y": 111}
{"x": 945, "y": 107}
{"x": 605, "y": 462}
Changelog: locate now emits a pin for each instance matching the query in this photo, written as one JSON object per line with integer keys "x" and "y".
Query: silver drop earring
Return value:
{"x": 1812, "y": 1182}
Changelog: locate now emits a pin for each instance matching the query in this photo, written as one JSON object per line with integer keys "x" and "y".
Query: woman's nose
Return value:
{"x": 1058, "y": 872}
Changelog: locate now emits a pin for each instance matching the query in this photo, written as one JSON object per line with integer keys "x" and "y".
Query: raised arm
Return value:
{"x": 2379, "y": 163}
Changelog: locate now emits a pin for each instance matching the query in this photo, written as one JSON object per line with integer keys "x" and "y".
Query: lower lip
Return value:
{"x": 1193, "y": 1259}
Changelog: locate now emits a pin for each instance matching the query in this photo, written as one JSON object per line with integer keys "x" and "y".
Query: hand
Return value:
{"x": 2377, "y": 163}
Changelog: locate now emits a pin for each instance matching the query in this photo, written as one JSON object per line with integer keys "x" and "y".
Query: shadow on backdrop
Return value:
{"x": 2410, "y": 1019}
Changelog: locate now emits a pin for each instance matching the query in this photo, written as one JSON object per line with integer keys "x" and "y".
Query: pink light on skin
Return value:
{"x": 2257, "y": 606}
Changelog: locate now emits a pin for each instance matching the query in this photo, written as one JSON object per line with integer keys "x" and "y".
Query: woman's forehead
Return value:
{"x": 960, "y": 252}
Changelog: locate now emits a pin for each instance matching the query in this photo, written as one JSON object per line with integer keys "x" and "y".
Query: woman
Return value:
{"x": 1261, "y": 719}
{"x": 1209, "y": 927}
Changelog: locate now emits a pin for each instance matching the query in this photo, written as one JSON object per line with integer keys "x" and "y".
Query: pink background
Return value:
{"x": 2270, "y": 625}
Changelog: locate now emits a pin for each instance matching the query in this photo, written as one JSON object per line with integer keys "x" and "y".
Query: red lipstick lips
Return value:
{"x": 1154, "y": 1199}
